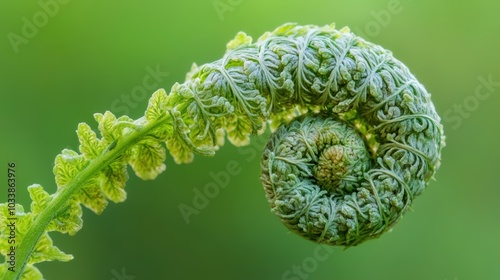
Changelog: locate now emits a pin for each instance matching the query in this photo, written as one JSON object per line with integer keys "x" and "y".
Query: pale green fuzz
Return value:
{"x": 361, "y": 139}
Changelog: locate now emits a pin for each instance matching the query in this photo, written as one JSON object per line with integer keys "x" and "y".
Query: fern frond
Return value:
{"x": 356, "y": 139}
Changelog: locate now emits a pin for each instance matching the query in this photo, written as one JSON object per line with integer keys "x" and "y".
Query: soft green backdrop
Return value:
{"x": 89, "y": 55}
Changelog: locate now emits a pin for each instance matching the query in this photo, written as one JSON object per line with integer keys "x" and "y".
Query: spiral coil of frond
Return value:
{"x": 327, "y": 188}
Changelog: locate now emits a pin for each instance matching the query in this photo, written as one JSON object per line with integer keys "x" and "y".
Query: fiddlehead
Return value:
{"x": 357, "y": 139}
{"x": 367, "y": 143}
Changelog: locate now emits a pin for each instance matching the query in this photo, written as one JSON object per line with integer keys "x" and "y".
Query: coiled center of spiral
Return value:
{"x": 320, "y": 150}
{"x": 312, "y": 169}
{"x": 342, "y": 160}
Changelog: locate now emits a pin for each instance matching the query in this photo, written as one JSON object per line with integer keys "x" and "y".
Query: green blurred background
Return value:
{"x": 90, "y": 56}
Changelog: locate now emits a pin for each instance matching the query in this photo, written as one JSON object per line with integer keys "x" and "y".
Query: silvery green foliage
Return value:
{"x": 358, "y": 139}
{"x": 324, "y": 181}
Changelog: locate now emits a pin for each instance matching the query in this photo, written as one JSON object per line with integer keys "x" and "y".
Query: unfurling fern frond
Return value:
{"x": 356, "y": 139}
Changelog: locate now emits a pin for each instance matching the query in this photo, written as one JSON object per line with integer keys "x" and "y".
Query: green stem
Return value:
{"x": 27, "y": 245}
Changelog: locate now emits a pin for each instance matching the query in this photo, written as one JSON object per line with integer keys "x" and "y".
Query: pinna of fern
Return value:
{"x": 356, "y": 139}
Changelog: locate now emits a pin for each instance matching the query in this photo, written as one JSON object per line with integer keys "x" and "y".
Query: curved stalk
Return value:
{"x": 25, "y": 248}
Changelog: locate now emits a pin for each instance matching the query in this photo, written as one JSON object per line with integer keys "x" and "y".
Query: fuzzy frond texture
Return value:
{"x": 359, "y": 136}
{"x": 356, "y": 138}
